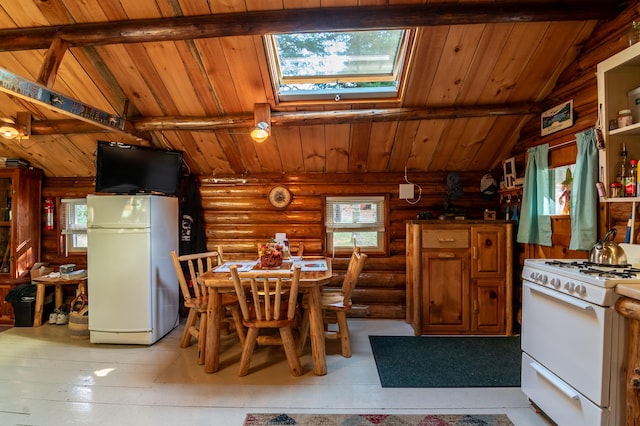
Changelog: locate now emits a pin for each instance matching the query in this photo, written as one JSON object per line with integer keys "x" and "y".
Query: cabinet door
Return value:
{"x": 488, "y": 306}
{"x": 488, "y": 248}
{"x": 6, "y": 191}
{"x": 445, "y": 295}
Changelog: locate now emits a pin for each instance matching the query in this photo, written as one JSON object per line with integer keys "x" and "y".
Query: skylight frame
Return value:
{"x": 332, "y": 95}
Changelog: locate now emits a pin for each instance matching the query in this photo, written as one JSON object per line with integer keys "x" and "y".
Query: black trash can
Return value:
{"x": 24, "y": 310}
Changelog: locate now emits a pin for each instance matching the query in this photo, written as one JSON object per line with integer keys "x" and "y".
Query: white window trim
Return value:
{"x": 69, "y": 230}
{"x": 378, "y": 226}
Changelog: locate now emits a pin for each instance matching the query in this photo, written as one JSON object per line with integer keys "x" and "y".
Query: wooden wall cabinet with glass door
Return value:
{"x": 459, "y": 277}
{"x": 20, "y": 223}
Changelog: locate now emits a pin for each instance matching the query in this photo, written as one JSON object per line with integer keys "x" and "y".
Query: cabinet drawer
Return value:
{"x": 445, "y": 238}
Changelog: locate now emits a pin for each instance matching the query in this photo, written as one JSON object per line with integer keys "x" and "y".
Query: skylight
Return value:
{"x": 336, "y": 66}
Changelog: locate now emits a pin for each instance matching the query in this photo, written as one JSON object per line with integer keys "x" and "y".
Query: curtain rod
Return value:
{"x": 561, "y": 144}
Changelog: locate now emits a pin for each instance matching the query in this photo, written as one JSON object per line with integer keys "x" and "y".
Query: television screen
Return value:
{"x": 131, "y": 169}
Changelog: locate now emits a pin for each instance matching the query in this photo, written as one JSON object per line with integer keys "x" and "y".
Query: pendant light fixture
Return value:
{"x": 262, "y": 119}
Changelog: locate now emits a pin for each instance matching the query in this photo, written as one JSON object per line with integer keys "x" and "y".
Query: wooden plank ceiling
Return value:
{"x": 479, "y": 71}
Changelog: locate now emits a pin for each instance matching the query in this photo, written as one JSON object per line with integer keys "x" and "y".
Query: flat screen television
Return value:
{"x": 131, "y": 169}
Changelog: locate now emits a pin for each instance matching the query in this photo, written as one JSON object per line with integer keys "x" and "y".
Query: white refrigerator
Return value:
{"x": 133, "y": 290}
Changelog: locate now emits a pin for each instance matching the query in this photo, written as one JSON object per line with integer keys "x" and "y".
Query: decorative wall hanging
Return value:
{"x": 557, "y": 118}
{"x": 509, "y": 170}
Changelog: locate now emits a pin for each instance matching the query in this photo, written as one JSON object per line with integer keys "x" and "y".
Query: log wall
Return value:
{"x": 52, "y": 242}
{"x": 240, "y": 216}
{"x": 578, "y": 82}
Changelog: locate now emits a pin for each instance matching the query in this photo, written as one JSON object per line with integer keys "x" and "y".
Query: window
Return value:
{"x": 338, "y": 65}
{"x": 355, "y": 220}
{"x": 73, "y": 220}
{"x": 562, "y": 181}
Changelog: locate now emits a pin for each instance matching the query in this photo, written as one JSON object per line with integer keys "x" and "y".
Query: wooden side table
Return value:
{"x": 43, "y": 282}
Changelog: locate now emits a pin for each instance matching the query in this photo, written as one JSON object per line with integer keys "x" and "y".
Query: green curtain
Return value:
{"x": 535, "y": 219}
{"x": 584, "y": 196}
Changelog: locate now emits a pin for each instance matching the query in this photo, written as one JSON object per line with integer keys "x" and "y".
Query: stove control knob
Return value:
{"x": 555, "y": 282}
{"x": 533, "y": 276}
{"x": 569, "y": 286}
{"x": 543, "y": 279}
{"x": 581, "y": 290}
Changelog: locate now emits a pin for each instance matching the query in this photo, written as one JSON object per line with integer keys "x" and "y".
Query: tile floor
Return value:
{"x": 47, "y": 378}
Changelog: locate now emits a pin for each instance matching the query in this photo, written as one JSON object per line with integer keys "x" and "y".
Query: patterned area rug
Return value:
{"x": 376, "y": 419}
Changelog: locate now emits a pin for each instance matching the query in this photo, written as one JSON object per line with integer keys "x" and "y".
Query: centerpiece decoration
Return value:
{"x": 270, "y": 255}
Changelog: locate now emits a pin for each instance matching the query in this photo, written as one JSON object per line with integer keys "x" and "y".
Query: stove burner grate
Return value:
{"x": 581, "y": 264}
{"x": 624, "y": 271}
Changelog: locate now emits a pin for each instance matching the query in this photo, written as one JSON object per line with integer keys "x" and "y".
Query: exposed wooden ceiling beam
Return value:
{"x": 36, "y": 93}
{"x": 52, "y": 61}
{"x": 67, "y": 126}
{"x": 294, "y": 118}
{"x": 298, "y": 20}
{"x": 298, "y": 118}
{"x": 143, "y": 124}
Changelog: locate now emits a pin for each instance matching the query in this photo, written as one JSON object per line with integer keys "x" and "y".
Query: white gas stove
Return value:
{"x": 573, "y": 340}
{"x": 584, "y": 280}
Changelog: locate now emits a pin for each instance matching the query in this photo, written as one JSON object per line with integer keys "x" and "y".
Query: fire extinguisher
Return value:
{"x": 48, "y": 213}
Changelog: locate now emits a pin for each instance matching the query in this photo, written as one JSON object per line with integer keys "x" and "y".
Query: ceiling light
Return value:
{"x": 18, "y": 128}
{"x": 8, "y": 131}
{"x": 261, "y": 132}
{"x": 262, "y": 119}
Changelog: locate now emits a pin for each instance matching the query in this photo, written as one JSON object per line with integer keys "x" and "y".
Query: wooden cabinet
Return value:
{"x": 20, "y": 221}
{"x": 459, "y": 277}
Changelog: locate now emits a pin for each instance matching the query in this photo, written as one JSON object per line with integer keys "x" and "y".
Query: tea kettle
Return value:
{"x": 607, "y": 252}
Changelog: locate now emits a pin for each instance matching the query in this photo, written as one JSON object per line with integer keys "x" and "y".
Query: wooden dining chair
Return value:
{"x": 335, "y": 306}
{"x": 196, "y": 299}
{"x": 268, "y": 300}
{"x": 296, "y": 249}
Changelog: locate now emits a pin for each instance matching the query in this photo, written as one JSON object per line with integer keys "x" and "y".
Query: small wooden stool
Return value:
{"x": 43, "y": 282}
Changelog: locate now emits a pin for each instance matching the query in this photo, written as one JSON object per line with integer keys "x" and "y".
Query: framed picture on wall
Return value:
{"x": 557, "y": 118}
{"x": 509, "y": 170}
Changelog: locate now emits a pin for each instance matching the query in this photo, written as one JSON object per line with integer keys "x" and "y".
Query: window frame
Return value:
{"x": 69, "y": 231}
{"x": 382, "y": 225}
{"x": 351, "y": 95}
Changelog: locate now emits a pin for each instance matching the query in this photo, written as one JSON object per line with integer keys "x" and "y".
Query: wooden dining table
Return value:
{"x": 219, "y": 281}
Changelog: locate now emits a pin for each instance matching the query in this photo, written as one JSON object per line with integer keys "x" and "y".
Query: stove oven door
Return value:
{"x": 559, "y": 401}
{"x": 572, "y": 339}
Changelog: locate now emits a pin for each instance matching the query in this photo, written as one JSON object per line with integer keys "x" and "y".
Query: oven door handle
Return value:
{"x": 562, "y": 298}
{"x": 568, "y": 391}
